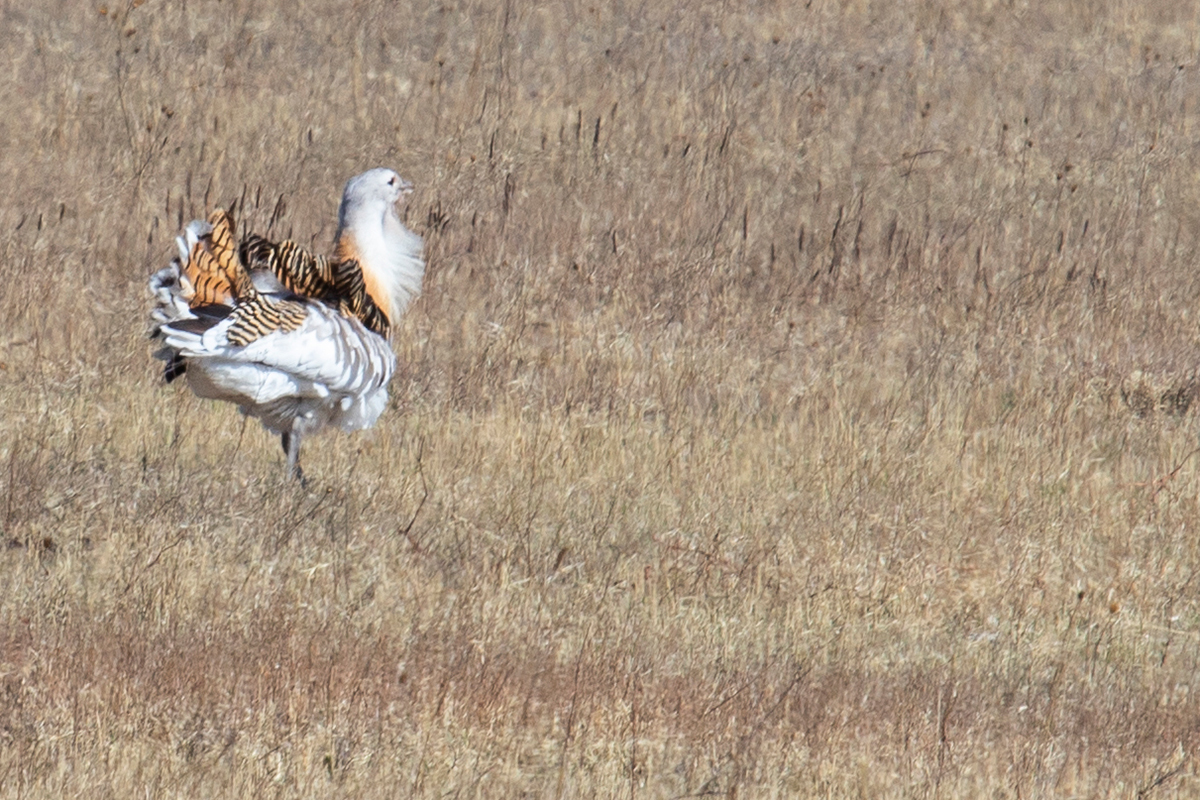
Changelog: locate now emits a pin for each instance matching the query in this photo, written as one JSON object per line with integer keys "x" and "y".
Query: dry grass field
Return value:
{"x": 803, "y": 402}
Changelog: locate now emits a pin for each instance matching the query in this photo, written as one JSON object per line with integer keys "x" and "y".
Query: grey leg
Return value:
{"x": 291, "y": 446}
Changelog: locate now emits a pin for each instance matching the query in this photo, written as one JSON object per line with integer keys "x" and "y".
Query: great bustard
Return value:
{"x": 297, "y": 340}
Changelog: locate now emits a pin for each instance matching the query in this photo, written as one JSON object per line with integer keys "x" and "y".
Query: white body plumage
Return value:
{"x": 330, "y": 371}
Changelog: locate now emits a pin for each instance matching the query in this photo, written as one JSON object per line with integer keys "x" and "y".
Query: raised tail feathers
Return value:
{"x": 212, "y": 266}
{"x": 200, "y": 287}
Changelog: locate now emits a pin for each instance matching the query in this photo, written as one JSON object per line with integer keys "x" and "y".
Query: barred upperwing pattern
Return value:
{"x": 213, "y": 269}
{"x": 354, "y": 300}
{"x": 262, "y": 315}
{"x": 297, "y": 269}
{"x": 336, "y": 283}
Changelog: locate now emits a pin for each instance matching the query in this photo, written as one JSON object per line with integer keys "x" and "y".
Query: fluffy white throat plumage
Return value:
{"x": 370, "y": 231}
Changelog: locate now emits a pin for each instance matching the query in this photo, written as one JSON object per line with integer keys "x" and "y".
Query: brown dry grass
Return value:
{"x": 801, "y": 404}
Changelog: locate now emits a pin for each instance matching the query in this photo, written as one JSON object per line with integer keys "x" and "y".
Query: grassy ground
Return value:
{"x": 801, "y": 403}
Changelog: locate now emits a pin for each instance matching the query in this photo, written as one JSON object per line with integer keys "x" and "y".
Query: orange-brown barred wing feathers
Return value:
{"x": 365, "y": 293}
{"x": 355, "y": 297}
{"x": 337, "y": 282}
{"x": 260, "y": 315}
{"x": 295, "y": 268}
{"x": 213, "y": 270}
{"x": 223, "y": 245}
{"x": 218, "y": 277}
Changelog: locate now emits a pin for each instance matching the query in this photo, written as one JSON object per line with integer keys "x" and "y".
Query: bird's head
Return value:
{"x": 374, "y": 191}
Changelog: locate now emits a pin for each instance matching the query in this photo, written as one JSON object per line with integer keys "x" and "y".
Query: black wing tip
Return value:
{"x": 175, "y": 367}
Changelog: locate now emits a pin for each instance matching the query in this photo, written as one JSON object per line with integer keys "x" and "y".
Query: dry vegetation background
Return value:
{"x": 801, "y": 403}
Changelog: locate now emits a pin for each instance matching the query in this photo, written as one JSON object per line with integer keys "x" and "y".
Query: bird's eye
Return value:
{"x": 391, "y": 181}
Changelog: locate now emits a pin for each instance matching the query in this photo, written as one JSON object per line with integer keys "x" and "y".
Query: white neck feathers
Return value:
{"x": 389, "y": 253}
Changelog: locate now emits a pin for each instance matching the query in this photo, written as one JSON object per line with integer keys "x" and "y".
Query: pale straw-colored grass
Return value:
{"x": 801, "y": 403}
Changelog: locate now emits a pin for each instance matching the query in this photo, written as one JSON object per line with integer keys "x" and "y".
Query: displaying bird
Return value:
{"x": 295, "y": 339}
